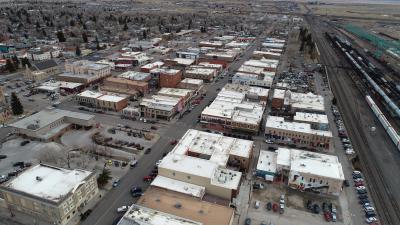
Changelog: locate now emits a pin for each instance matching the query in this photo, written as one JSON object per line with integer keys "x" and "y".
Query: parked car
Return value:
{"x": 371, "y": 220}
{"x": 148, "y": 178}
{"x": 122, "y": 209}
{"x": 363, "y": 196}
{"x": 327, "y": 216}
{"x": 23, "y": 143}
{"x": 148, "y": 150}
{"x": 346, "y": 183}
{"x": 173, "y": 142}
{"x": 334, "y": 218}
{"x": 361, "y": 188}
{"x": 257, "y": 204}
{"x": 316, "y": 209}
{"x": 3, "y": 156}
{"x": 269, "y": 206}
{"x": 269, "y": 141}
{"x": 362, "y": 191}
{"x": 363, "y": 201}
{"x": 369, "y": 209}
{"x": 257, "y": 186}
{"x": 115, "y": 183}
{"x": 158, "y": 162}
{"x": 136, "y": 191}
{"x": 247, "y": 221}
{"x": 133, "y": 163}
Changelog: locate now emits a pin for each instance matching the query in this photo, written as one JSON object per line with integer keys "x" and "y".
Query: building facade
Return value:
{"x": 50, "y": 193}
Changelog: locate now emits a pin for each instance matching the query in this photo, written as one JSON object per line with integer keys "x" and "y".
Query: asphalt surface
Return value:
{"x": 105, "y": 211}
{"x": 378, "y": 156}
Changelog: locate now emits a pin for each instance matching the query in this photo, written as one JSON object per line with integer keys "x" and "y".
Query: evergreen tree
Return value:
{"x": 72, "y": 23}
{"x": 84, "y": 26}
{"x": 37, "y": 24}
{"x": 60, "y": 36}
{"x": 15, "y": 61}
{"x": 10, "y": 66}
{"x": 104, "y": 177}
{"x": 144, "y": 34}
{"x": 125, "y": 27}
{"x": 16, "y": 105}
{"x": 25, "y": 61}
{"x": 84, "y": 37}
{"x": 78, "y": 51}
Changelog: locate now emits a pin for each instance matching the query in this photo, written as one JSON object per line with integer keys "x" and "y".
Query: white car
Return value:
{"x": 123, "y": 209}
{"x": 268, "y": 141}
{"x": 369, "y": 209}
{"x": 360, "y": 188}
{"x": 350, "y": 151}
{"x": 158, "y": 162}
{"x": 371, "y": 220}
{"x": 358, "y": 180}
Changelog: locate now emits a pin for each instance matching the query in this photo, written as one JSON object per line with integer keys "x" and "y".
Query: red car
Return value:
{"x": 173, "y": 142}
{"x": 328, "y": 216}
{"x": 357, "y": 184}
{"x": 275, "y": 207}
{"x": 148, "y": 178}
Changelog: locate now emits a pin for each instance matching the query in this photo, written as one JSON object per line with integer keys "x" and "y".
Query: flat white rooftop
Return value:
{"x": 179, "y": 186}
{"x": 59, "y": 84}
{"x": 134, "y": 75}
{"x": 226, "y": 178}
{"x": 250, "y": 69}
{"x": 48, "y": 182}
{"x": 165, "y": 103}
{"x": 192, "y": 81}
{"x": 312, "y": 163}
{"x": 306, "y": 101}
{"x": 200, "y": 70}
{"x": 182, "y": 61}
{"x": 276, "y": 122}
{"x": 101, "y": 97}
{"x": 311, "y": 118}
{"x": 279, "y": 94}
{"x": 163, "y": 70}
{"x": 262, "y": 64}
{"x": 90, "y": 94}
{"x": 112, "y": 98}
{"x": 153, "y": 65}
{"x": 267, "y": 161}
{"x": 140, "y": 215}
{"x": 174, "y": 92}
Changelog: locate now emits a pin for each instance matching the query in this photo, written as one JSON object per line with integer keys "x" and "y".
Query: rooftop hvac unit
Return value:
{"x": 178, "y": 205}
{"x": 39, "y": 178}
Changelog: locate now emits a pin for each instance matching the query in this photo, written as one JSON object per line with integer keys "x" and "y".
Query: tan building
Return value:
{"x": 204, "y": 212}
{"x": 42, "y": 70}
{"x": 299, "y": 134}
{"x": 99, "y": 100}
{"x": 84, "y": 71}
{"x": 125, "y": 86}
{"x": 185, "y": 95}
{"x": 49, "y": 193}
{"x": 193, "y": 84}
{"x": 50, "y": 124}
{"x": 203, "y": 73}
{"x": 160, "y": 107}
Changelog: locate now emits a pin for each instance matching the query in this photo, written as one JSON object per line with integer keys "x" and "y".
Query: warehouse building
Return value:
{"x": 50, "y": 193}
{"x": 298, "y": 102}
{"x": 125, "y": 86}
{"x": 264, "y": 79}
{"x": 49, "y": 124}
{"x": 317, "y": 121}
{"x": 295, "y": 133}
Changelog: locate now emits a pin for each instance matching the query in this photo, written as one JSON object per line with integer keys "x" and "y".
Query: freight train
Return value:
{"x": 385, "y": 90}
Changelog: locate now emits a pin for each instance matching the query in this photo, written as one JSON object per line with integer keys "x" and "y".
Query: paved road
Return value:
{"x": 378, "y": 156}
{"x": 105, "y": 212}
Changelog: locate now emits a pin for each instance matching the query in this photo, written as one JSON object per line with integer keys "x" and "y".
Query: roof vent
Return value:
{"x": 39, "y": 178}
{"x": 158, "y": 200}
{"x": 303, "y": 164}
{"x": 178, "y": 205}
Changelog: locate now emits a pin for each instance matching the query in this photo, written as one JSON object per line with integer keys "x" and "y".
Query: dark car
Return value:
{"x": 363, "y": 201}
{"x": 309, "y": 205}
{"x": 363, "y": 191}
{"x": 25, "y": 143}
{"x": 148, "y": 150}
{"x": 3, "y": 156}
{"x": 363, "y": 196}
{"x": 153, "y": 127}
{"x": 269, "y": 206}
{"x": 370, "y": 214}
{"x": 316, "y": 209}
{"x": 19, "y": 164}
{"x": 346, "y": 183}
{"x": 136, "y": 191}
{"x": 247, "y": 221}
{"x": 86, "y": 214}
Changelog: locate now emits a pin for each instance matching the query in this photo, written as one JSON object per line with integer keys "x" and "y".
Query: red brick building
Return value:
{"x": 170, "y": 77}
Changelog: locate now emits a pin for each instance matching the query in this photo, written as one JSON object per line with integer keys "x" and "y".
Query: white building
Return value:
{"x": 317, "y": 121}
{"x": 53, "y": 194}
{"x": 141, "y": 215}
{"x": 264, "y": 79}
{"x": 231, "y": 109}
{"x": 310, "y": 171}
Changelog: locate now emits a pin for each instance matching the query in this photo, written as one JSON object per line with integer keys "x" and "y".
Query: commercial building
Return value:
{"x": 145, "y": 216}
{"x": 179, "y": 63}
{"x": 50, "y": 193}
{"x": 266, "y": 64}
{"x": 232, "y": 111}
{"x": 160, "y": 107}
{"x": 112, "y": 102}
{"x": 266, "y": 55}
{"x": 167, "y": 77}
{"x": 133, "y": 58}
{"x": 49, "y": 124}
{"x": 213, "y": 44}
{"x": 227, "y": 55}
{"x": 42, "y": 70}
{"x": 266, "y": 165}
{"x": 209, "y": 65}
{"x": 264, "y": 79}
{"x": 317, "y": 121}
{"x": 59, "y": 86}
{"x": 187, "y": 55}
{"x": 125, "y": 86}
{"x": 39, "y": 54}
{"x": 251, "y": 70}
{"x": 146, "y": 68}
{"x": 299, "y": 134}
{"x": 206, "y": 74}
{"x": 298, "y": 102}
{"x": 84, "y": 71}
{"x": 192, "y": 84}
{"x": 310, "y": 171}
{"x": 204, "y": 212}
{"x": 134, "y": 75}
{"x": 185, "y": 95}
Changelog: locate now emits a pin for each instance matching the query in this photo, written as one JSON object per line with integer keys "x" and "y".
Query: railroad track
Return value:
{"x": 387, "y": 207}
